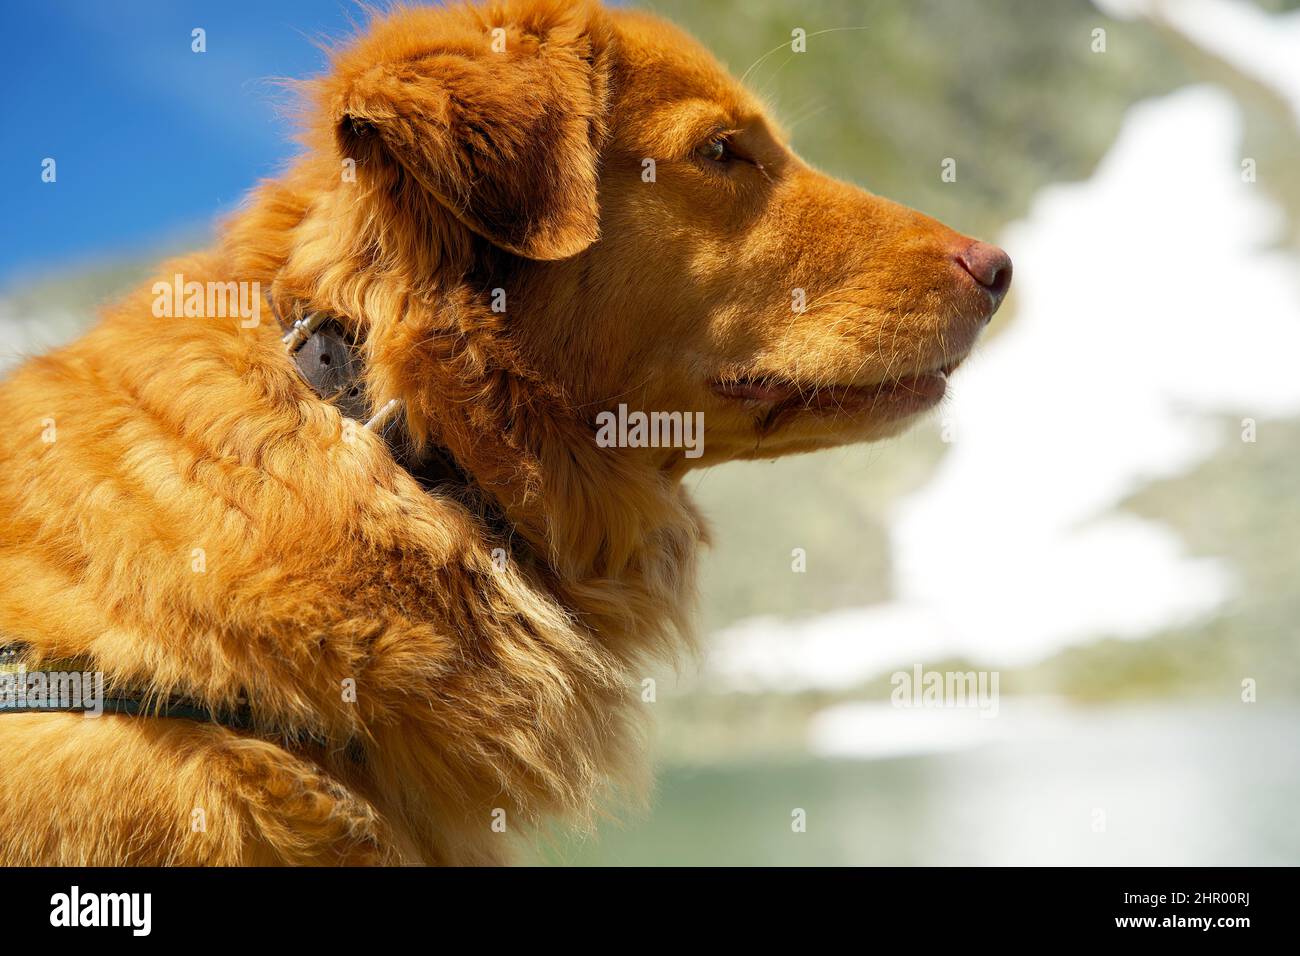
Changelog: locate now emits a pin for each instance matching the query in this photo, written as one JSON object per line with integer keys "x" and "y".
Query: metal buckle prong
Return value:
{"x": 384, "y": 415}
{"x": 302, "y": 330}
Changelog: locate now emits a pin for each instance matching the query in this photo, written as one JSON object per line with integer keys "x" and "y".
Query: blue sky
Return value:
{"x": 153, "y": 142}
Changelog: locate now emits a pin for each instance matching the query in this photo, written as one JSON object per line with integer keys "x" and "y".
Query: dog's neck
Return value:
{"x": 610, "y": 533}
{"x": 602, "y": 526}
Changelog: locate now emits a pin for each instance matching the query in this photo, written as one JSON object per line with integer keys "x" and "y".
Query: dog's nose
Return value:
{"x": 990, "y": 267}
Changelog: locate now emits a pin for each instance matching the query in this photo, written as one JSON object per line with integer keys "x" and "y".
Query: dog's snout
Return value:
{"x": 990, "y": 267}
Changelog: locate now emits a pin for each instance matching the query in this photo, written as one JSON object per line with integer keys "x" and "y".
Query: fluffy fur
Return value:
{"x": 478, "y": 687}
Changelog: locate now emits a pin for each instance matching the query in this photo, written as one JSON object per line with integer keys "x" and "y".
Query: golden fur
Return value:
{"x": 478, "y": 687}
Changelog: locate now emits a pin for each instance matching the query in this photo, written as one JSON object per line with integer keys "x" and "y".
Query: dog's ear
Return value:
{"x": 498, "y": 115}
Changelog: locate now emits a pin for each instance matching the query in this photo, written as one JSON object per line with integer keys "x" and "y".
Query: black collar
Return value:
{"x": 74, "y": 685}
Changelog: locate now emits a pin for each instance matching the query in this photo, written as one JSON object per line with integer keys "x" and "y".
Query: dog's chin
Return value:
{"x": 775, "y": 419}
{"x": 776, "y": 415}
{"x": 884, "y": 401}
{"x": 777, "y": 398}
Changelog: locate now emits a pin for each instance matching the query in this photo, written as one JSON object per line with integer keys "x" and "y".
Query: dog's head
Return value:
{"x": 649, "y": 235}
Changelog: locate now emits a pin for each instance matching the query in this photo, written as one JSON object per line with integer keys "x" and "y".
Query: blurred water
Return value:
{"x": 1177, "y": 785}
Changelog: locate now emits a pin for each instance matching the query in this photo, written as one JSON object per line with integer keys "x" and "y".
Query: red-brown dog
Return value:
{"x": 525, "y": 215}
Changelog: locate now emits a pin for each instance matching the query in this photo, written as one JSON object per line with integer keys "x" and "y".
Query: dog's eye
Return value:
{"x": 717, "y": 151}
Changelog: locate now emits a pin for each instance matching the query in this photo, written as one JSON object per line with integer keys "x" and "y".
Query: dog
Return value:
{"x": 406, "y": 625}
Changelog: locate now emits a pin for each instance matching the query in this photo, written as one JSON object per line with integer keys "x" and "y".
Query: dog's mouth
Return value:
{"x": 891, "y": 398}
